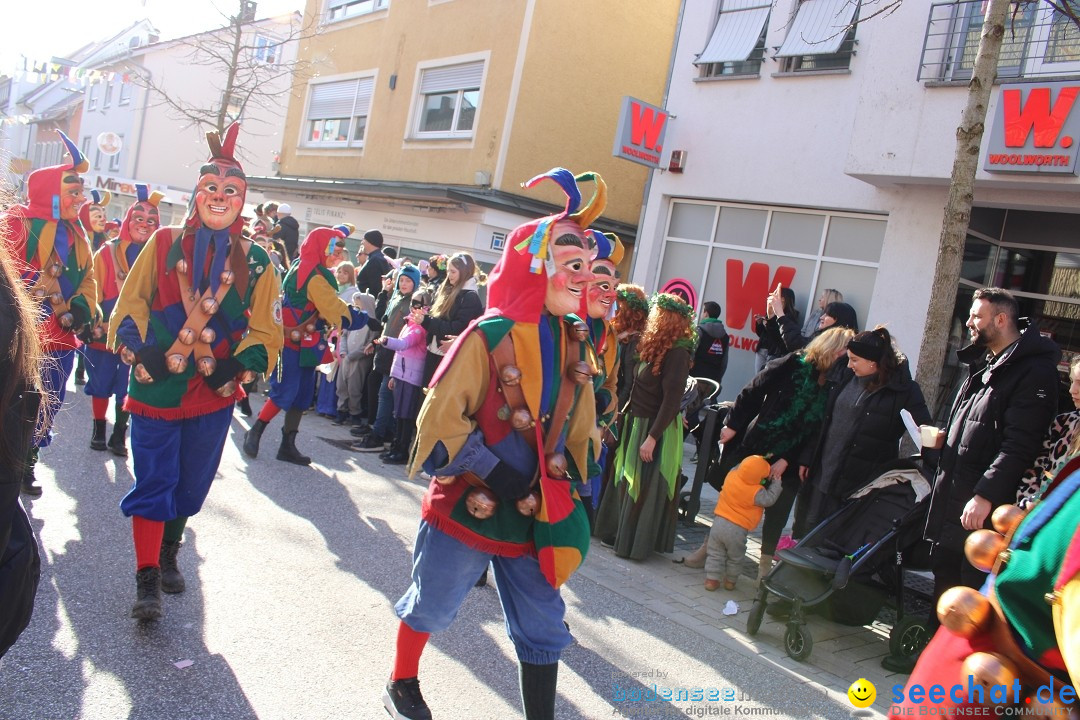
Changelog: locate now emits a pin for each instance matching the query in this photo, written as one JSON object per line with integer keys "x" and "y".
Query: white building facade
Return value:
{"x": 819, "y": 157}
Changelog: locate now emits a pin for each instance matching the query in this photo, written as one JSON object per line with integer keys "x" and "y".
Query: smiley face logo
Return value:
{"x": 862, "y": 693}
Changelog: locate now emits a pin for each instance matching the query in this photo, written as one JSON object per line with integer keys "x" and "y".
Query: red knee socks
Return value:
{"x": 99, "y": 406}
{"x": 147, "y": 534}
{"x": 410, "y": 644}
{"x": 269, "y": 411}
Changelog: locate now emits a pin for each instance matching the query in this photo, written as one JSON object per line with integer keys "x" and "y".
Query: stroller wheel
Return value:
{"x": 753, "y": 620}
{"x": 908, "y": 637}
{"x": 797, "y": 642}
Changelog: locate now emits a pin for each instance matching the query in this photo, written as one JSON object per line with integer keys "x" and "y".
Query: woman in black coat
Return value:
{"x": 457, "y": 303}
{"x": 836, "y": 314}
{"x": 862, "y": 427}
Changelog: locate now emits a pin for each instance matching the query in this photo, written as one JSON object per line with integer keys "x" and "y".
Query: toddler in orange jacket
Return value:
{"x": 746, "y": 493}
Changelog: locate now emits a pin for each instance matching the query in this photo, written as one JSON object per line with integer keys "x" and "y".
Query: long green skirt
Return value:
{"x": 638, "y": 511}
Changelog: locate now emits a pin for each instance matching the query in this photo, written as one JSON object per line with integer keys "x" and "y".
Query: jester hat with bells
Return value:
{"x": 43, "y": 187}
{"x": 223, "y": 162}
{"x": 517, "y": 289}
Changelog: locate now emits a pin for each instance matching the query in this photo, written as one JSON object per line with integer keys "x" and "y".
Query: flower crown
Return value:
{"x": 668, "y": 302}
{"x": 632, "y": 300}
{"x": 440, "y": 263}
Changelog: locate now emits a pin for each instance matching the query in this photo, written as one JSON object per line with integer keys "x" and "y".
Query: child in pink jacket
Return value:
{"x": 407, "y": 377}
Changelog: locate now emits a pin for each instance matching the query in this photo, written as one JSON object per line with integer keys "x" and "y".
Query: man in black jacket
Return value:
{"x": 369, "y": 277}
{"x": 995, "y": 431}
{"x": 287, "y": 230}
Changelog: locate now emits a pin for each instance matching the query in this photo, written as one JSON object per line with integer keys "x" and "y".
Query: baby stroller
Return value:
{"x": 853, "y": 562}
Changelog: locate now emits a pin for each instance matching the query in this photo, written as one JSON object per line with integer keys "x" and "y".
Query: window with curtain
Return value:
{"x": 337, "y": 113}
{"x": 448, "y": 100}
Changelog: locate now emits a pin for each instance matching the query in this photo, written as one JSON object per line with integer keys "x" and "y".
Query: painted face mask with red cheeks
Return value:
{"x": 97, "y": 219}
{"x": 71, "y": 196}
{"x": 219, "y": 198}
{"x": 602, "y": 288}
{"x": 144, "y": 221}
{"x": 568, "y": 274}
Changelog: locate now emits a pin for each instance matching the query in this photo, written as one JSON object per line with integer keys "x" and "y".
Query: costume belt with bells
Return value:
{"x": 47, "y": 287}
{"x": 302, "y": 331}
{"x": 196, "y": 335}
{"x": 480, "y": 500}
{"x": 101, "y": 329}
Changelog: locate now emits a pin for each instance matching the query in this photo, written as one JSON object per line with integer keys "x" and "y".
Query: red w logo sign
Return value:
{"x": 1037, "y": 115}
{"x": 747, "y": 294}
{"x": 646, "y": 125}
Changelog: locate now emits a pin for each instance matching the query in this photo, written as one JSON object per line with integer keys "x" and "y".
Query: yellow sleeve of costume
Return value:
{"x": 88, "y": 288}
{"x": 448, "y": 410}
{"x": 137, "y": 294}
{"x": 99, "y": 272}
{"x": 264, "y": 325}
{"x": 611, "y": 367}
{"x": 331, "y": 308}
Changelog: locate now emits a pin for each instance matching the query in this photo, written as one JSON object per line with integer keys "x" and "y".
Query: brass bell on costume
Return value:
{"x": 98, "y": 332}
{"x": 581, "y": 330}
{"x": 206, "y": 366}
{"x": 39, "y": 293}
{"x": 580, "y": 372}
{"x": 529, "y": 505}
{"x": 982, "y": 548}
{"x": 186, "y": 336}
{"x": 181, "y": 266}
{"x": 963, "y": 611}
{"x": 126, "y": 356}
{"x": 295, "y": 336}
{"x": 520, "y": 419}
{"x": 142, "y": 375}
{"x": 1006, "y": 517}
{"x": 248, "y": 376}
{"x": 176, "y": 363}
{"x": 55, "y": 270}
{"x": 510, "y": 375}
{"x": 989, "y": 669}
{"x": 556, "y": 465}
{"x": 56, "y": 298}
{"x": 228, "y": 277}
{"x": 209, "y": 305}
{"x": 66, "y": 320}
{"x": 480, "y": 503}
{"x": 207, "y": 335}
{"x": 227, "y": 390}
{"x": 309, "y": 328}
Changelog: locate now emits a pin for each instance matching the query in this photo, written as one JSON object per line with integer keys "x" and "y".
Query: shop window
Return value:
{"x": 821, "y": 37}
{"x": 337, "y": 113}
{"x": 737, "y": 43}
{"x": 341, "y": 9}
{"x": 855, "y": 239}
{"x": 979, "y": 259}
{"x": 796, "y": 232}
{"x": 857, "y": 284}
{"x": 692, "y": 221}
{"x": 683, "y": 260}
{"x": 448, "y": 100}
{"x": 741, "y": 226}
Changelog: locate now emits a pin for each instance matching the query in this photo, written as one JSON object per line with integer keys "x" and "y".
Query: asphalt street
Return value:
{"x": 292, "y": 573}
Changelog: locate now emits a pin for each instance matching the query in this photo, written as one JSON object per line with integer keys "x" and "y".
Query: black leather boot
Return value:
{"x": 172, "y": 581}
{"x": 252, "y": 438}
{"x": 28, "y": 486}
{"x": 538, "y": 690}
{"x": 97, "y": 440}
{"x": 245, "y": 406}
{"x": 118, "y": 439}
{"x": 288, "y": 452}
{"x": 148, "y": 599}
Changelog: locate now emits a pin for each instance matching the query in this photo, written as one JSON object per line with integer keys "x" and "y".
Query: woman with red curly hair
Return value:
{"x": 631, "y": 313}
{"x": 637, "y": 514}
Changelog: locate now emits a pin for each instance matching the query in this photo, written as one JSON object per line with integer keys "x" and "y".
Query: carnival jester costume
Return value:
{"x": 92, "y": 216}
{"x": 55, "y": 262}
{"x": 109, "y": 376}
{"x": 198, "y": 313}
{"x": 504, "y": 432}
{"x": 310, "y": 305}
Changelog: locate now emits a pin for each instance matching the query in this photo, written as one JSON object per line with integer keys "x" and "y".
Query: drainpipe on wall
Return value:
{"x": 142, "y": 124}
{"x": 648, "y": 181}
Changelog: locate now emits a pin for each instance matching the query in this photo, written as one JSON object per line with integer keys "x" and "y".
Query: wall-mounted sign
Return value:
{"x": 640, "y": 135}
{"x": 682, "y": 288}
{"x": 109, "y": 143}
{"x": 1036, "y": 129}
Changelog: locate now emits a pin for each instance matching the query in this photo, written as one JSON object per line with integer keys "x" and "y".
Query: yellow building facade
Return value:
{"x": 422, "y": 117}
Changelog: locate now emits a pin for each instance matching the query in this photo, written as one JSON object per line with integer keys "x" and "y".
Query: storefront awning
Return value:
{"x": 736, "y": 33}
{"x": 818, "y": 28}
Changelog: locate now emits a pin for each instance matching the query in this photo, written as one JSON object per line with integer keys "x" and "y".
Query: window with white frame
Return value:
{"x": 85, "y": 148}
{"x": 341, "y": 9}
{"x": 234, "y": 106}
{"x": 91, "y": 96}
{"x": 114, "y": 159}
{"x": 267, "y": 50}
{"x": 448, "y": 99}
{"x": 737, "y": 43}
{"x": 125, "y": 92}
{"x": 1040, "y": 40}
{"x": 107, "y": 99}
{"x": 821, "y": 37}
{"x": 338, "y": 112}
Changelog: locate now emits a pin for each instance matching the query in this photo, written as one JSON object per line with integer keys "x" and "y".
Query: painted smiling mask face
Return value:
{"x": 97, "y": 218}
{"x": 71, "y": 195}
{"x": 144, "y": 221}
{"x": 602, "y": 288}
{"x": 219, "y": 196}
{"x": 568, "y": 273}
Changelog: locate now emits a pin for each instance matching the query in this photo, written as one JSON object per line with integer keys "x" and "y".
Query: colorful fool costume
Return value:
{"x": 92, "y": 215}
{"x": 199, "y": 313}
{"x": 1015, "y": 642}
{"x": 510, "y": 403}
{"x": 109, "y": 375}
{"x": 310, "y": 304}
{"x": 54, "y": 259}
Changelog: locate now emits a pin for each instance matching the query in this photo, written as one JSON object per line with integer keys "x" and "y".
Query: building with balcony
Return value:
{"x": 817, "y": 154}
{"x": 425, "y": 117}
